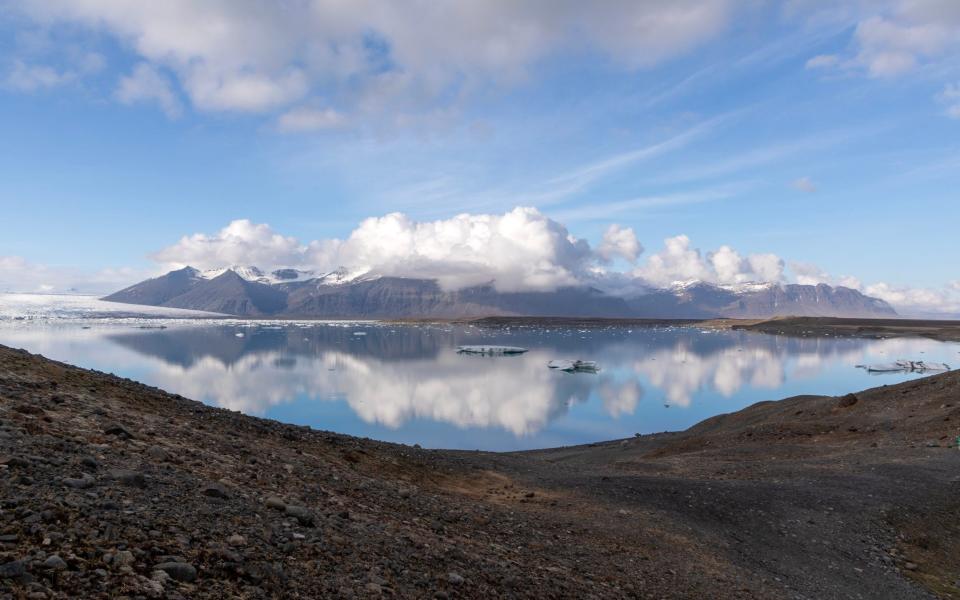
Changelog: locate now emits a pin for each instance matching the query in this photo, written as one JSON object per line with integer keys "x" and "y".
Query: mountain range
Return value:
{"x": 341, "y": 294}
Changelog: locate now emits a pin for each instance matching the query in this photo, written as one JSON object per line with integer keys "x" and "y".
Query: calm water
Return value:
{"x": 407, "y": 384}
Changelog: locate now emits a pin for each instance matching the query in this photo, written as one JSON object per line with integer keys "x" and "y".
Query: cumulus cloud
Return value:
{"x": 918, "y": 301}
{"x": 250, "y": 56}
{"x": 680, "y": 261}
{"x": 809, "y": 274}
{"x": 620, "y": 242}
{"x": 242, "y": 242}
{"x": 146, "y": 84}
{"x": 804, "y": 184}
{"x": 519, "y": 250}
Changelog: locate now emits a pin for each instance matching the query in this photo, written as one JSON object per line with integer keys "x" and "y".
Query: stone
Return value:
{"x": 124, "y": 558}
{"x": 80, "y": 483}
{"x": 454, "y": 578}
{"x": 847, "y": 401}
{"x": 17, "y": 462}
{"x": 117, "y": 430}
{"x": 179, "y": 571}
{"x": 374, "y": 588}
{"x": 301, "y": 514}
{"x": 237, "y": 540}
{"x": 29, "y": 409}
{"x": 158, "y": 454}
{"x": 160, "y": 576}
{"x": 55, "y": 563}
{"x": 12, "y": 569}
{"x": 215, "y": 490}
{"x": 910, "y": 566}
{"x": 276, "y": 503}
{"x": 129, "y": 478}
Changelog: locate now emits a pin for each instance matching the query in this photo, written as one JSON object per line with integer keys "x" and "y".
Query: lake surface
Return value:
{"x": 407, "y": 383}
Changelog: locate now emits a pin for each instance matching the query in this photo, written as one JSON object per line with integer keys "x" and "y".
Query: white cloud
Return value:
{"x": 20, "y": 275}
{"x": 679, "y": 261}
{"x": 310, "y": 119}
{"x": 28, "y": 78}
{"x": 519, "y": 250}
{"x": 823, "y": 61}
{"x": 809, "y": 274}
{"x": 894, "y": 37}
{"x": 893, "y": 45}
{"x": 804, "y": 184}
{"x": 620, "y": 242}
{"x": 239, "y": 243}
{"x": 32, "y": 76}
{"x": 146, "y": 84}
{"x": 918, "y": 301}
{"x": 950, "y": 96}
{"x": 377, "y": 54}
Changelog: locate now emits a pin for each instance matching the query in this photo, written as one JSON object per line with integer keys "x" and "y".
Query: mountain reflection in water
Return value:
{"x": 407, "y": 384}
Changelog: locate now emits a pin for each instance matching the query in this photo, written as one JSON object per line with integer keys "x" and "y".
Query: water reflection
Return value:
{"x": 406, "y": 383}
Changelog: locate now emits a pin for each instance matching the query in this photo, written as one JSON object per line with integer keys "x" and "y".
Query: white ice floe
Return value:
{"x": 490, "y": 350}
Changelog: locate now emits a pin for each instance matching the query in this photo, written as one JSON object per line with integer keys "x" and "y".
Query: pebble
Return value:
{"x": 124, "y": 558}
{"x": 118, "y": 430}
{"x": 55, "y": 563}
{"x": 12, "y": 569}
{"x": 129, "y": 478}
{"x": 158, "y": 454}
{"x": 454, "y": 578}
{"x": 215, "y": 490}
{"x": 237, "y": 540}
{"x": 276, "y": 503}
{"x": 301, "y": 514}
{"x": 179, "y": 571}
{"x": 81, "y": 483}
{"x": 374, "y": 588}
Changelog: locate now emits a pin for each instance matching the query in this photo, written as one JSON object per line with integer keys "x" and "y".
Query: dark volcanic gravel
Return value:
{"x": 114, "y": 489}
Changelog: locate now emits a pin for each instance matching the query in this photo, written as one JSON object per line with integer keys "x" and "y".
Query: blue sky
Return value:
{"x": 827, "y": 134}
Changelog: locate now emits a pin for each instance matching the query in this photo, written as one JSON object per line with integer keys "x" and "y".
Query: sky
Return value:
{"x": 534, "y": 143}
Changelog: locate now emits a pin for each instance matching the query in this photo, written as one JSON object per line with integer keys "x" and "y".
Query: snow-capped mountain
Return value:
{"x": 346, "y": 293}
{"x": 250, "y": 273}
{"x": 753, "y": 300}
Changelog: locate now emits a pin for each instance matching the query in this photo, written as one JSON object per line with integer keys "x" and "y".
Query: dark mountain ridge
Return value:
{"x": 397, "y": 297}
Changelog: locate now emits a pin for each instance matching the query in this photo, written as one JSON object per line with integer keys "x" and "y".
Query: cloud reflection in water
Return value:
{"x": 395, "y": 377}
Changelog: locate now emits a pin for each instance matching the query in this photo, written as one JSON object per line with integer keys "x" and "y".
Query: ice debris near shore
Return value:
{"x": 906, "y": 366}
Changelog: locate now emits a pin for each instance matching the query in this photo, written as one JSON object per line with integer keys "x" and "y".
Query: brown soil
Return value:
{"x": 140, "y": 493}
{"x": 875, "y": 328}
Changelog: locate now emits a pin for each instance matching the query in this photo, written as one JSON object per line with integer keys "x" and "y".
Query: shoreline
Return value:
{"x": 941, "y": 330}
{"x": 140, "y": 492}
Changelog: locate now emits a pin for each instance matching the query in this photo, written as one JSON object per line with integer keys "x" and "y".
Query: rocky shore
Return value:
{"x": 112, "y": 489}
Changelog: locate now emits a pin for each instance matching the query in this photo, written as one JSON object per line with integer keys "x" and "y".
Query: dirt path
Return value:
{"x": 112, "y": 488}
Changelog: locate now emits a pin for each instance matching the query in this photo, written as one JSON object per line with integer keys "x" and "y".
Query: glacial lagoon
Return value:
{"x": 407, "y": 383}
